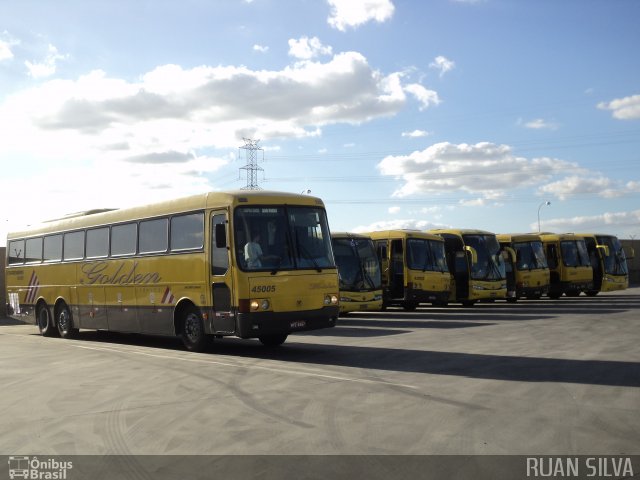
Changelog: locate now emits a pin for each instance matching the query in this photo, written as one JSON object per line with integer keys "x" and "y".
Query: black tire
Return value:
{"x": 45, "y": 322}
{"x": 591, "y": 293}
{"x": 468, "y": 303}
{"x": 409, "y": 306}
{"x": 274, "y": 340}
{"x": 192, "y": 331}
{"x": 64, "y": 322}
{"x": 554, "y": 296}
{"x": 572, "y": 293}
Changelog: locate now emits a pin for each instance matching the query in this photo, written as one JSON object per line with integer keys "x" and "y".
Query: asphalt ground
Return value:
{"x": 533, "y": 378}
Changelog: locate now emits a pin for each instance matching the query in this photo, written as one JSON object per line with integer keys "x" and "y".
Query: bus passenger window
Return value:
{"x": 153, "y": 236}
{"x": 187, "y": 231}
{"x": 53, "y": 248}
{"x": 98, "y": 242}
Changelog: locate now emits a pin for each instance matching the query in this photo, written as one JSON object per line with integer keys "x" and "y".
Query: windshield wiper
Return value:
{"x": 302, "y": 249}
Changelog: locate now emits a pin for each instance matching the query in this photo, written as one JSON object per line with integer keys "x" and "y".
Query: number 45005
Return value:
{"x": 264, "y": 289}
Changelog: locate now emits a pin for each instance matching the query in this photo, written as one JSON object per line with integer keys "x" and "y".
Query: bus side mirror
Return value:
{"x": 605, "y": 249}
{"x": 632, "y": 253}
{"x": 509, "y": 254}
{"x": 474, "y": 254}
{"x": 220, "y": 233}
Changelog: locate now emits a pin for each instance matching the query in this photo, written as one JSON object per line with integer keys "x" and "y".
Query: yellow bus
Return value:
{"x": 414, "y": 269}
{"x": 526, "y": 266}
{"x": 608, "y": 261}
{"x": 476, "y": 265}
{"x": 569, "y": 264}
{"x": 359, "y": 272}
{"x": 252, "y": 264}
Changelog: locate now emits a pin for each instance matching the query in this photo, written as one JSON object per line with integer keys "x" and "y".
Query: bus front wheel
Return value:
{"x": 192, "y": 332}
{"x": 273, "y": 340}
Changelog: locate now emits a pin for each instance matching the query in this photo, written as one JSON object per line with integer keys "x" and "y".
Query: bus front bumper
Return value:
{"x": 257, "y": 324}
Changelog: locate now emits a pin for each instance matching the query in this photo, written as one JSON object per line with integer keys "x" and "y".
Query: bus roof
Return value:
{"x": 552, "y": 237}
{"x": 518, "y": 237}
{"x": 349, "y": 235}
{"x": 460, "y": 231}
{"x": 98, "y": 217}
{"x": 402, "y": 233}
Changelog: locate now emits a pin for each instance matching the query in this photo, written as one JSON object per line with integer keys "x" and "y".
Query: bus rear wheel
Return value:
{"x": 273, "y": 340}
{"x": 64, "y": 322}
{"x": 591, "y": 293}
{"x": 45, "y": 323}
{"x": 192, "y": 331}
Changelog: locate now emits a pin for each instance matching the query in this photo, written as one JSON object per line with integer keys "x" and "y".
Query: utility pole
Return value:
{"x": 252, "y": 168}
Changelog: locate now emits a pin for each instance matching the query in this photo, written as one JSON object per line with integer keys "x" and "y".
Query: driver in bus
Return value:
{"x": 253, "y": 251}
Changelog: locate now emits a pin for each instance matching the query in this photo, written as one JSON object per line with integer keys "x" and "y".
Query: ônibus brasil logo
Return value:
{"x": 33, "y": 468}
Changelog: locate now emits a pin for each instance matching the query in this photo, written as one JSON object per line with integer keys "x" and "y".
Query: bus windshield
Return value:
{"x": 530, "y": 256}
{"x": 357, "y": 263}
{"x": 490, "y": 264}
{"x": 616, "y": 262}
{"x": 282, "y": 238}
{"x": 574, "y": 253}
{"x": 426, "y": 255}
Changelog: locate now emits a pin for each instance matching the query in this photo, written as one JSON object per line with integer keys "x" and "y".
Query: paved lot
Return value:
{"x": 547, "y": 377}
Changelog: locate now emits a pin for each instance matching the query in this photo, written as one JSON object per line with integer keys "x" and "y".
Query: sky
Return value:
{"x": 397, "y": 113}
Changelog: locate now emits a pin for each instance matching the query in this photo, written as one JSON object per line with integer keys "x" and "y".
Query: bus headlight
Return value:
{"x": 331, "y": 300}
{"x": 260, "y": 304}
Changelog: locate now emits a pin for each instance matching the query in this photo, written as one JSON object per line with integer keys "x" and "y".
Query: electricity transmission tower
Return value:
{"x": 251, "y": 147}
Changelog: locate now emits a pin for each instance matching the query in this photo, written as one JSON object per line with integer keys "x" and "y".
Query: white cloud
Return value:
{"x": 47, "y": 67}
{"x": 5, "y": 51}
{"x": 594, "y": 184}
{"x": 353, "y": 13}
{"x": 627, "y": 108}
{"x": 394, "y": 210}
{"x": 415, "y": 134}
{"x": 538, "y": 124}
{"x": 260, "y": 48}
{"x": 307, "y": 48}
{"x": 484, "y": 168}
{"x": 399, "y": 224}
{"x": 617, "y": 223}
{"x": 425, "y": 96}
{"x": 171, "y": 109}
{"x": 442, "y": 64}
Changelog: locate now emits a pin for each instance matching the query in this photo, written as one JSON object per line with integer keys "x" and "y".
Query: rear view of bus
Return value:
{"x": 569, "y": 264}
{"x": 476, "y": 265}
{"x": 609, "y": 263}
{"x": 529, "y": 269}
{"x": 359, "y": 272}
{"x": 414, "y": 269}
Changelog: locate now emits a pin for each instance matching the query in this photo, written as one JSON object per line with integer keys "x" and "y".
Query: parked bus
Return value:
{"x": 476, "y": 265}
{"x": 414, "y": 269}
{"x": 608, "y": 261}
{"x": 359, "y": 272}
{"x": 526, "y": 266}
{"x": 569, "y": 264}
{"x": 252, "y": 264}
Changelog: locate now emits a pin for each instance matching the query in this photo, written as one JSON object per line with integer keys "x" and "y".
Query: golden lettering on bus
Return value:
{"x": 103, "y": 273}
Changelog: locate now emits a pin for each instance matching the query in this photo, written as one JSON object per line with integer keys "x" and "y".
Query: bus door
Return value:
{"x": 596, "y": 264}
{"x": 461, "y": 274}
{"x": 221, "y": 278}
{"x": 396, "y": 270}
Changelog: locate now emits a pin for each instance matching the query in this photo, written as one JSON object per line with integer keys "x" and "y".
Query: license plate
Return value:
{"x": 298, "y": 324}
